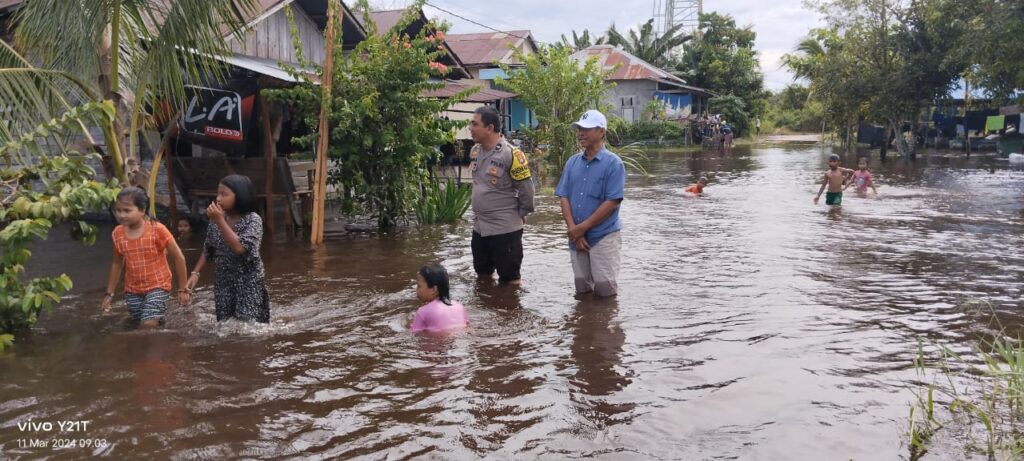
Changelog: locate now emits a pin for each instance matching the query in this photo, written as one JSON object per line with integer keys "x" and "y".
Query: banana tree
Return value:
{"x": 132, "y": 55}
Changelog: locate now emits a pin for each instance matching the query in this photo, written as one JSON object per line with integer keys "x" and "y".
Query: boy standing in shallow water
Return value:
{"x": 834, "y": 179}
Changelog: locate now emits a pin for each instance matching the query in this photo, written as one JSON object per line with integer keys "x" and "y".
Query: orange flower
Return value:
{"x": 407, "y": 45}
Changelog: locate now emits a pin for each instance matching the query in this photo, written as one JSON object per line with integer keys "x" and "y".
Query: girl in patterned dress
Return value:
{"x": 233, "y": 244}
{"x": 141, "y": 246}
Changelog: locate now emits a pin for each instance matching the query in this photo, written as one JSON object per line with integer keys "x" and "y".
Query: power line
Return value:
{"x": 474, "y": 22}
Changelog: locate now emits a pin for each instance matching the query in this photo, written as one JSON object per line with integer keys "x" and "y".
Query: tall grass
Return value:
{"x": 444, "y": 204}
{"x": 967, "y": 393}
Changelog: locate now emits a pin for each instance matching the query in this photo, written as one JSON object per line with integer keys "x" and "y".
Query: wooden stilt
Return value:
{"x": 320, "y": 188}
{"x": 268, "y": 152}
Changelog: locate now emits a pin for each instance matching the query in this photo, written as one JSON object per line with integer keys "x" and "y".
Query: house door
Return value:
{"x": 627, "y": 114}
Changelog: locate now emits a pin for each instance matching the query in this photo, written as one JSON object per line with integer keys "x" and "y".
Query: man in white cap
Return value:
{"x": 591, "y": 189}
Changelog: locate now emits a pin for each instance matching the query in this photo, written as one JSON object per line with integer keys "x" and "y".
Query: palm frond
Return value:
{"x": 44, "y": 110}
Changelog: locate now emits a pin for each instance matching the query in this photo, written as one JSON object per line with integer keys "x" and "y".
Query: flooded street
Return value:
{"x": 750, "y": 324}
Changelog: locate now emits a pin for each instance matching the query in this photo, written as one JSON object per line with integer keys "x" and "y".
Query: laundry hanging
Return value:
{"x": 995, "y": 123}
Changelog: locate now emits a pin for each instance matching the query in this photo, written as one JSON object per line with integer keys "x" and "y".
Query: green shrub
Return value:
{"x": 623, "y": 132}
{"x": 443, "y": 204}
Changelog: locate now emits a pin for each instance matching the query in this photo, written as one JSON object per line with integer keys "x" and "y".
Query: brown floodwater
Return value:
{"x": 751, "y": 324}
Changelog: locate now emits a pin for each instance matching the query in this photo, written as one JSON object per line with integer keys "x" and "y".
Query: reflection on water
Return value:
{"x": 751, "y": 324}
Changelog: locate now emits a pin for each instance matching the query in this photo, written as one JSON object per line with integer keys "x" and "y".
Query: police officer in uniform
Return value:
{"x": 502, "y": 197}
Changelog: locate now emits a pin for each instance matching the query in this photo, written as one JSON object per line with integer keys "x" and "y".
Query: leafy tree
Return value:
{"x": 383, "y": 130}
{"x": 836, "y": 79}
{"x": 580, "y": 41}
{"x": 722, "y": 58}
{"x": 35, "y": 194}
{"x": 647, "y": 45}
{"x": 881, "y": 61}
{"x": 792, "y": 109}
{"x": 733, "y": 109}
{"x": 558, "y": 89}
{"x": 991, "y": 44}
{"x": 95, "y": 63}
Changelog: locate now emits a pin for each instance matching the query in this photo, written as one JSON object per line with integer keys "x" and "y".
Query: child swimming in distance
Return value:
{"x": 698, "y": 187}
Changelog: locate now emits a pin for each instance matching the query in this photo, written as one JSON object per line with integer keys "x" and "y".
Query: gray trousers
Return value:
{"x": 597, "y": 270}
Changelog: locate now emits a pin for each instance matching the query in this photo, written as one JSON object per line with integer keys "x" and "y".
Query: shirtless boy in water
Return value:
{"x": 834, "y": 178}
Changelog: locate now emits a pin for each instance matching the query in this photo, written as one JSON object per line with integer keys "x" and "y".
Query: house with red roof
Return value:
{"x": 482, "y": 53}
{"x": 638, "y": 82}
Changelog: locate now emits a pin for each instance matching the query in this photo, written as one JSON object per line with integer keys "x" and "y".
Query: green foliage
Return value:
{"x": 792, "y": 109}
{"x": 621, "y": 132}
{"x": 990, "y": 396}
{"x": 6, "y": 341}
{"x": 444, "y": 204}
{"x": 128, "y": 53}
{"x": 991, "y": 45}
{"x": 382, "y": 129}
{"x": 734, "y": 110}
{"x": 881, "y": 61}
{"x": 722, "y": 58}
{"x": 34, "y": 195}
{"x": 658, "y": 50}
{"x": 558, "y": 90}
{"x": 580, "y": 41}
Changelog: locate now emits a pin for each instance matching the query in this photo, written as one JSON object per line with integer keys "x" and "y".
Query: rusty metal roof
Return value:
{"x": 485, "y": 94}
{"x": 484, "y": 49}
{"x": 630, "y": 67}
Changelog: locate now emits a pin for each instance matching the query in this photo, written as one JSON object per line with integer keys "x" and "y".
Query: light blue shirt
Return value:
{"x": 589, "y": 183}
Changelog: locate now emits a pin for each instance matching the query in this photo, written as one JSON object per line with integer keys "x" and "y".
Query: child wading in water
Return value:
{"x": 834, "y": 179}
{"x": 698, "y": 187}
{"x": 440, "y": 313}
{"x": 141, "y": 246}
{"x": 862, "y": 178}
{"x": 233, "y": 243}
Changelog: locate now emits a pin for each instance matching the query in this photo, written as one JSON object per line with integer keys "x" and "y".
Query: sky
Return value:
{"x": 780, "y": 24}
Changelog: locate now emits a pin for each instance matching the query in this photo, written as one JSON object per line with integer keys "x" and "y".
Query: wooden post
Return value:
{"x": 170, "y": 188}
{"x": 165, "y": 145}
{"x": 320, "y": 188}
{"x": 967, "y": 106}
{"x": 268, "y": 152}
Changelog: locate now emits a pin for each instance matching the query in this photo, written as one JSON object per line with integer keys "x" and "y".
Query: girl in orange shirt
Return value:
{"x": 141, "y": 246}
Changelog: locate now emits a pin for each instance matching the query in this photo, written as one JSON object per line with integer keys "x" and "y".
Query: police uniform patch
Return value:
{"x": 474, "y": 153}
{"x": 520, "y": 167}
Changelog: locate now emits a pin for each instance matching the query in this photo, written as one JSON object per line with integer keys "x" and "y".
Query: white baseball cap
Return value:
{"x": 591, "y": 119}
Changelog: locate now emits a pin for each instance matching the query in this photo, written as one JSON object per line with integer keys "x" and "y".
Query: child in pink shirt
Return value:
{"x": 440, "y": 313}
{"x": 862, "y": 178}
